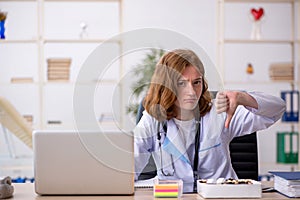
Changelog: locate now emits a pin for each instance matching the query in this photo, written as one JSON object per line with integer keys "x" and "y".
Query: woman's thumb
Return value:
{"x": 228, "y": 119}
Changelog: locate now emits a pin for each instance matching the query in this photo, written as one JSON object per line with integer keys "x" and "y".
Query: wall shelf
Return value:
{"x": 81, "y": 0}
{"x": 106, "y": 82}
{"x": 53, "y": 99}
{"x": 80, "y": 41}
{"x": 259, "y": 1}
{"x": 18, "y": 41}
{"x": 246, "y": 82}
{"x": 264, "y": 41}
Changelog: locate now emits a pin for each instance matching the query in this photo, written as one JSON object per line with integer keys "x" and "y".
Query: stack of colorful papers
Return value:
{"x": 167, "y": 188}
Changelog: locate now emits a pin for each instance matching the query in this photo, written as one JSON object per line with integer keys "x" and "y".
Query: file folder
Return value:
{"x": 287, "y": 147}
{"x": 292, "y": 105}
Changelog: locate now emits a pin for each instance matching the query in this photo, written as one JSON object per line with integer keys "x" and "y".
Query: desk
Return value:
{"x": 25, "y": 191}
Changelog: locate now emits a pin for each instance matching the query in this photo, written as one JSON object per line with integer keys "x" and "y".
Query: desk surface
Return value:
{"x": 25, "y": 191}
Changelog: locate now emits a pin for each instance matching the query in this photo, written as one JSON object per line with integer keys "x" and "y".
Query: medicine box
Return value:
{"x": 215, "y": 189}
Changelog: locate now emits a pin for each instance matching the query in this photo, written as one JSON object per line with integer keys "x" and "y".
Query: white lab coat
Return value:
{"x": 214, "y": 158}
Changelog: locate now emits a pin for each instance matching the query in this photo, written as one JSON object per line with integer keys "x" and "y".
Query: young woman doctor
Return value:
{"x": 180, "y": 119}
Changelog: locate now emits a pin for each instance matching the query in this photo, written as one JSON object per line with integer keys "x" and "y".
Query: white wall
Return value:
{"x": 193, "y": 19}
{"x": 197, "y": 20}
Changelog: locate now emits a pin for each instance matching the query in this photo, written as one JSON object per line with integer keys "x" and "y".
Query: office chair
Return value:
{"x": 243, "y": 153}
{"x": 13, "y": 121}
{"x": 244, "y": 156}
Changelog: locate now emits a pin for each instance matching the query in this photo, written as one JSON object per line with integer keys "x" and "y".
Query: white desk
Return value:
{"x": 25, "y": 191}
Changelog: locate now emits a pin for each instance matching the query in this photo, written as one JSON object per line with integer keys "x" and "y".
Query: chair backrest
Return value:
{"x": 244, "y": 156}
{"x": 243, "y": 153}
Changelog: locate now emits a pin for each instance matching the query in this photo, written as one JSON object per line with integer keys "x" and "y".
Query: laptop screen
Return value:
{"x": 85, "y": 162}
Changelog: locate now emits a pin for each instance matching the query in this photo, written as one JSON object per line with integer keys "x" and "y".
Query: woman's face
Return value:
{"x": 189, "y": 90}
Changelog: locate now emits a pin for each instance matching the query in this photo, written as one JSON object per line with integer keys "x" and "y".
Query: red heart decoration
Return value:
{"x": 257, "y": 14}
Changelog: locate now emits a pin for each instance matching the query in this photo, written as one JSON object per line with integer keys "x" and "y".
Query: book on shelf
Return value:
{"x": 282, "y": 78}
{"x": 59, "y": 60}
{"x": 58, "y": 69}
{"x": 282, "y": 65}
{"x": 58, "y": 74}
{"x": 58, "y": 79}
{"x": 21, "y": 80}
{"x": 287, "y": 183}
{"x": 281, "y": 71}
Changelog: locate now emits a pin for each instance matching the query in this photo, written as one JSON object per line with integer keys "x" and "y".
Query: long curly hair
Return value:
{"x": 161, "y": 96}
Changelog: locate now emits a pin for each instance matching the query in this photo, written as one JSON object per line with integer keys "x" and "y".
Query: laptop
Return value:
{"x": 83, "y": 163}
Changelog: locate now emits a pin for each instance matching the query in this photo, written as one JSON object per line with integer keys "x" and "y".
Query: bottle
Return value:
{"x": 249, "y": 69}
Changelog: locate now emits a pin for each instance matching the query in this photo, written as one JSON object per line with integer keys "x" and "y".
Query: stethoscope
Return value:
{"x": 197, "y": 144}
{"x": 160, "y": 150}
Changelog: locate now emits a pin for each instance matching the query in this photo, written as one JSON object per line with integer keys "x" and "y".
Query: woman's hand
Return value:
{"x": 228, "y": 101}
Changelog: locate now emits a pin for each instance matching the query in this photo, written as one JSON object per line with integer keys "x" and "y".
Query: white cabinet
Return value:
{"x": 236, "y": 48}
{"x": 278, "y": 43}
{"x": 40, "y": 29}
